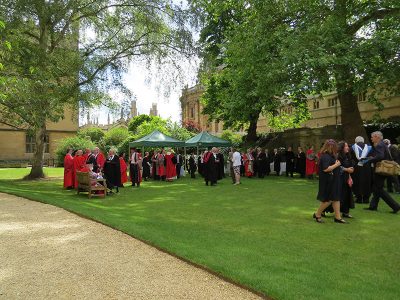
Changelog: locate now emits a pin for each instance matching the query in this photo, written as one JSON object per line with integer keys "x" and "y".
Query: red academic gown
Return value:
{"x": 311, "y": 167}
{"x": 170, "y": 167}
{"x": 100, "y": 159}
{"x": 79, "y": 166}
{"x": 248, "y": 170}
{"x": 68, "y": 171}
{"x": 123, "y": 167}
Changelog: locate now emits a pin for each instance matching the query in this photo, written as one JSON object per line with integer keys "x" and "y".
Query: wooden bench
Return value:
{"x": 85, "y": 184}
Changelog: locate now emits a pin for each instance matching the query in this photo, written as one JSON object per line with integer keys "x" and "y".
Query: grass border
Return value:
{"x": 204, "y": 268}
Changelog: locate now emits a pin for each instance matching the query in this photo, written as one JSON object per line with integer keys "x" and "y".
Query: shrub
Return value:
{"x": 71, "y": 143}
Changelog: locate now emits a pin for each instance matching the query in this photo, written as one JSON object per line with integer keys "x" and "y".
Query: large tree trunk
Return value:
{"x": 352, "y": 123}
{"x": 38, "y": 156}
{"x": 252, "y": 130}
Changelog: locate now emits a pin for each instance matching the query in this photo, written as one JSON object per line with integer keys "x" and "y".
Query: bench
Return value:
{"x": 85, "y": 184}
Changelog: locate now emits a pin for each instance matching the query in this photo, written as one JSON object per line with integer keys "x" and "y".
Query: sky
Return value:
{"x": 149, "y": 87}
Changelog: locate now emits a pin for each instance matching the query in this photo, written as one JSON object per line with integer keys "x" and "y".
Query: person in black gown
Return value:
{"x": 112, "y": 171}
{"x": 329, "y": 182}
{"x": 261, "y": 163}
{"x": 289, "y": 162}
{"x": 146, "y": 164}
{"x": 362, "y": 176}
{"x": 301, "y": 162}
{"x": 192, "y": 166}
{"x": 347, "y": 168}
{"x": 210, "y": 167}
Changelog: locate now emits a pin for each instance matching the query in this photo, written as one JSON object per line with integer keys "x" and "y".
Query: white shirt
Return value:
{"x": 236, "y": 159}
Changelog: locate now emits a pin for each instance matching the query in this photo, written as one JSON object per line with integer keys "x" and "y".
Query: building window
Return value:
{"x": 332, "y": 102}
{"x": 192, "y": 112}
{"x": 31, "y": 144}
{"x": 362, "y": 97}
{"x": 316, "y": 104}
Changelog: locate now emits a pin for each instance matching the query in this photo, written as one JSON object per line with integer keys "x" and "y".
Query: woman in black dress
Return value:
{"x": 329, "y": 181}
{"x": 347, "y": 168}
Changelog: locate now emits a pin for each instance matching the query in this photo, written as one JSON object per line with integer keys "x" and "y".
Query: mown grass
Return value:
{"x": 260, "y": 234}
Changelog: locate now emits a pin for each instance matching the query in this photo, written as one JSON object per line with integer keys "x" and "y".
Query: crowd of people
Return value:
{"x": 344, "y": 171}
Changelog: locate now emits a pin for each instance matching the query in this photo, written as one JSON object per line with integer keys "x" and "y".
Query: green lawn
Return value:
{"x": 260, "y": 233}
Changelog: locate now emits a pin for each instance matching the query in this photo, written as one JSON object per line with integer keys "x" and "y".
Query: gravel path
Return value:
{"x": 49, "y": 253}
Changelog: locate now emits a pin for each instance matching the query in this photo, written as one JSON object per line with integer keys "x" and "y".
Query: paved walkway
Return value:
{"x": 49, "y": 253}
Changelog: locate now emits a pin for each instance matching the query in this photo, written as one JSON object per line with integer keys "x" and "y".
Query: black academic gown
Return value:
{"x": 210, "y": 170}
{"x": 301, "y": 164}
{"x": 221, "y": 170}
{"x": 112, "y": 172}
{"x": 91, "y": 159}
{"x": 146, "y": 167}
{"x": 289, "y": 163}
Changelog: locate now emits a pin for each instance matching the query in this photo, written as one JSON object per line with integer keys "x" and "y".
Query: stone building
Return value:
{"x": 191, "y": 108}
{"x": 324, "y": 110}
{"x": 19, "y": 145}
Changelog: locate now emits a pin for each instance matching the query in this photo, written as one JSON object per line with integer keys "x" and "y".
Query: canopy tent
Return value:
{"x": 204, "y": 139}
{"x": 156, "y": 139}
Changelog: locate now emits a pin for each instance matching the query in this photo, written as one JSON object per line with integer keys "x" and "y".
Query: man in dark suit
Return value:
{"x": 380, "y": 152}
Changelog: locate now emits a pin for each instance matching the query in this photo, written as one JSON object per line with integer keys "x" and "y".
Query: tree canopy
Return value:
{"x": 270, "y": 54}
{"x": 72, "y": 52}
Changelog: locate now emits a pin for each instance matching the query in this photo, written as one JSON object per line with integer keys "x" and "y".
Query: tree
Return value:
{"x": 252, "y": 77}
{"x": 287, "y": 49}
{"x": 135, "y": 122}
{"x": 72, "y": 52}
{"x": 347, "y": 46}
{"x": 115, "y": 136}
{"x": 94, "y": 133}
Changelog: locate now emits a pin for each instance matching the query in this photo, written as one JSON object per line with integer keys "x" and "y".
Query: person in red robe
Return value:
{"x": 100, "y": 159}
{"x": 123, "y": 167}
{"x": 69, "y": 170}
{"x": 79, "y": 165}
{"x": 248, "y": 161}
{"x": 161, "y": 165}
{"x": 311, "y": 167}
{"x": 170, "y": 173}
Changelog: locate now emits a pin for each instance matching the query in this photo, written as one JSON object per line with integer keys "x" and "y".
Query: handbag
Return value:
{"x": 387, "y": 168}
{"x": 350, "y": 181}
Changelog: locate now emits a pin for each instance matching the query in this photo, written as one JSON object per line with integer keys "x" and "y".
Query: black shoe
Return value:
{"x": 318, "y": 219}
{"x": 340, "y": 221}
{"x": 370, "y": 208}
{"x": 347, "y": 216}
{"x": 395, "y": 211}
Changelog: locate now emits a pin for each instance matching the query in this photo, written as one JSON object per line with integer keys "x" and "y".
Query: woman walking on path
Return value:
{"x": 329, "y": 181}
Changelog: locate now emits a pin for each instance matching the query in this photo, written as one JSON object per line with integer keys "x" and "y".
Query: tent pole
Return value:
{"x": 197, "y": 150}
{"x": 184, "y": 157}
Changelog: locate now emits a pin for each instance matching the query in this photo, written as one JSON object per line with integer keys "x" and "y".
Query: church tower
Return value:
{"x": 134, "y": 111}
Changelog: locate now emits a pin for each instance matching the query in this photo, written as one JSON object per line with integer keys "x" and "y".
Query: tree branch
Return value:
{"x": 373, "y": 16}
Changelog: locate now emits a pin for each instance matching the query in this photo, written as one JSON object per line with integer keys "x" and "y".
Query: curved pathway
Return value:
{"x": 49, "y": 253}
